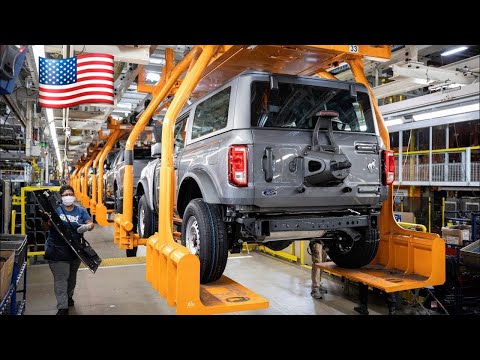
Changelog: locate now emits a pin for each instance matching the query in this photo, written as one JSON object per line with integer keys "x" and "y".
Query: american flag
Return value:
{"x": 76, "y": 80}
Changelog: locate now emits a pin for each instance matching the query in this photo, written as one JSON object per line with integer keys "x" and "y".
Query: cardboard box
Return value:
{"x": 7, "y": 258}
{"x": 455, "y": 236}
{"x": 407, "y": 217}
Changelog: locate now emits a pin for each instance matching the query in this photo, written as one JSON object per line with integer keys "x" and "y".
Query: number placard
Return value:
{"x": 353, "y": 48}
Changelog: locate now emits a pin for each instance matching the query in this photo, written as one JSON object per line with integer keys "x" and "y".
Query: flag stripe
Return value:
{"x": 86, "y": 63}
{"x": 45, "y": 90}
{"x": 104, "y": 72}
{"x": 86, "y": 101}
{"x": 94, "y": 66}
{"x": 80, "y": 98}
{"x": 75, "y": 96}
{"x": 48, "y": 94}
{"x": 97, "y": 76}
{"x": 103, "y": 56}
{"x": 87, "y": 60}
{"x": 82, "y": 83}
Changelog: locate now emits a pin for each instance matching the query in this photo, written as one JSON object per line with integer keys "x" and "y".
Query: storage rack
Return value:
{"x": 9, "y": 305}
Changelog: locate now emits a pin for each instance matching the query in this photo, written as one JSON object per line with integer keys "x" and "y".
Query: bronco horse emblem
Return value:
{"x": 371, "y": 165}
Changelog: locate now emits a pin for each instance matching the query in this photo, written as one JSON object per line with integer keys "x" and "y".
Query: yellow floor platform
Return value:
{"x": 226, "y": 295}
{"x": 388, "y": 280}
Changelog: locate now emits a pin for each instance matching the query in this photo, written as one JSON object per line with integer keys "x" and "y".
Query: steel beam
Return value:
{"x": 12, "y": 104}
{"x": 136, "y": 54}
{"x": 431, "y": 74}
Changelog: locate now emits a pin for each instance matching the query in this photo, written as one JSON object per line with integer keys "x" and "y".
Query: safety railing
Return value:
{"x": 444, "y": 167}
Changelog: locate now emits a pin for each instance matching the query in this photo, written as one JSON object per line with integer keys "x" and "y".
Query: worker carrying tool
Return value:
{"x": 63, "y": 261}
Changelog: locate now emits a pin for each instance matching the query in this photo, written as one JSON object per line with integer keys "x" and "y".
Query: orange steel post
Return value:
{"x": 84, "y": 191}
{"x": 78, "y": 190}
{"x": 162, "y": 242}
{"x": 93, "y": 200}
{"x": 171, "y": 268}
{"x": 101, "y": 209}
{"x": 400, "y": 248}
{"x": 71, "y": 179}
{"x": 123, "y": 233}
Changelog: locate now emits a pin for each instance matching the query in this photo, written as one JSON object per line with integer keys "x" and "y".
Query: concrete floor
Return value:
{"x": 122, "y": 290}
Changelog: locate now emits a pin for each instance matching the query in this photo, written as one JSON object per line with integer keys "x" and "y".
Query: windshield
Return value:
{"x": 296, "y": 105}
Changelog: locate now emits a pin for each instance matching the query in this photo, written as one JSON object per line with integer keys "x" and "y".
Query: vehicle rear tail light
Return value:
{"x": 388, "y": 167}
{"x": 238, "y": 165}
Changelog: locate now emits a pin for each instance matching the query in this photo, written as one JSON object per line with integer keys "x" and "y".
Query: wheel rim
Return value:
{"x": 141, "y": 221}
{"x": 192, "y": 239}
{"x": 344, "y": 243}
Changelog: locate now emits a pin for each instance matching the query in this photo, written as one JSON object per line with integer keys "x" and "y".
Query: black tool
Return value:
{"x": 49, "y": 202}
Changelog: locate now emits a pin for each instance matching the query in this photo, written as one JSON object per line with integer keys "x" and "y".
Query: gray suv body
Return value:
{"x": 270, "y": 159}
{"x": 113, "y": 177}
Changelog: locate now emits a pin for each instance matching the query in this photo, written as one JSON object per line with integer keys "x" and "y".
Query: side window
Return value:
{"x": 179, "y": 134}
{"x": 119, "y": 157}
{"x": 212, "y": 114}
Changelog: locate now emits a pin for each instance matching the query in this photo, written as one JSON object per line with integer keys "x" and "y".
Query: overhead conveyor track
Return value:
{"x": 171, "y": 268}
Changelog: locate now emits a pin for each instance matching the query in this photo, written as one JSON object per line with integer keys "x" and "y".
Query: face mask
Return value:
{"x": 68, "y": 200}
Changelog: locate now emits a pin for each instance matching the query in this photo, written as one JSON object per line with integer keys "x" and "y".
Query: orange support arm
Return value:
{"x": 122, "y": 234}
{"x": 101, "y": 209}
{"x": 410, "y": 251}
{"x": 84, "y": 189}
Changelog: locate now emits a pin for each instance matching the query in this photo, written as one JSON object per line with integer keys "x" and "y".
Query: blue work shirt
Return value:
{"x": 56, "y": 248}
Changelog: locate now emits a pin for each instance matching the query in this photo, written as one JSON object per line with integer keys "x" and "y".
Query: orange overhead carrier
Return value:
{"x": 96, "y": 201}
{"x": 83, "y": 196}
{"x": 171, "y": 269}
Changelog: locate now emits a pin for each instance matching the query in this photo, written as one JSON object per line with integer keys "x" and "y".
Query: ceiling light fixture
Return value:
{"x": 53, "y": 134}
{"x": 396, "y": 121}
{"x": 447, "y": 112}
{"x": 157, "y": 61}
{"x": 151, "y": 76}
{"x": 39, "y": 51}
{"x": 454, "y": 51}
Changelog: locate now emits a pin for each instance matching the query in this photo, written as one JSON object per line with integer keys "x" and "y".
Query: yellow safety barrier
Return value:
{"x": 280, "y": 254}
{"x": 415, "y": 227}
{"x": 12, "y": 222}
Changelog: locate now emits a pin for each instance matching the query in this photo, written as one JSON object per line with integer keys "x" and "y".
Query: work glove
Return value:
{"x": 84, "y": 228}
{"x": 44, "y": 215}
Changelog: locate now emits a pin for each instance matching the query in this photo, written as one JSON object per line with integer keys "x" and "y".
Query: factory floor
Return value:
{"x": 119, "y": 287}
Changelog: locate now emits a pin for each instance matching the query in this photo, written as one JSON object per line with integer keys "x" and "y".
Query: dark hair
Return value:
{"x": 65, "y": 188}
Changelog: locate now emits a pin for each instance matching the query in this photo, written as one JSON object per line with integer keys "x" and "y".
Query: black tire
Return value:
{"x": 118, "y": 202}
{"x": 202, "y": 221}
{"x": 359, "y": 253}
{"x": 278, "y": 245}
{"x": 131, "y": 252}
{"x": 145, "y": 219}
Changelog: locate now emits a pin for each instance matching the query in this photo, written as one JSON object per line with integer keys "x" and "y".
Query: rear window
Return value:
{"x": 296, "y": 105}
{"x": 142, "y": 153}
{"x": 212, "y": 114}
